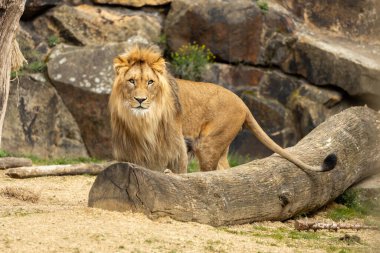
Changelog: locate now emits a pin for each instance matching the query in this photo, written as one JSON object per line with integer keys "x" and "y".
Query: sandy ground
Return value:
{"x": 50, "y": 214}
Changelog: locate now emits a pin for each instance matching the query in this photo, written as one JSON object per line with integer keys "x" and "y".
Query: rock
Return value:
{"x": 90, "y": 25}
{"x": 273, "y": 117}
{"x": 233, "y": 30}
{"x": 355, "y": 18}
{"x": 33, "y": 47}
{"x": 276, "y": 40}
{"x": 313, "y": 105}
{"x": 134, "y": 3}
{"x": 325, "y": 60}
{"x": 232, "y": 76}
{"x": 372, "y": 182}
{"x": 284, "y": 105}
{"x": 85, "y": 89}
{"x": 279, "y": 86}
{"x": 36, "y": 7}
{"x": 37, "y": 122}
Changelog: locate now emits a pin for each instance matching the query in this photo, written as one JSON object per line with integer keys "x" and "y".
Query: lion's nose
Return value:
{"x": 140, "y": 100}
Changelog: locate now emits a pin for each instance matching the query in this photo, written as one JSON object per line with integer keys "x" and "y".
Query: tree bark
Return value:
{"x": 13, "y": 162}
{"x": 56, "y": 170}
{"x": 266, "y": 189}
{"x": 10, "y": 13}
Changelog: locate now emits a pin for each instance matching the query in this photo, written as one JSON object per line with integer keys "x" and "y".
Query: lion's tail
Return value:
{"x": 328, "y": 163}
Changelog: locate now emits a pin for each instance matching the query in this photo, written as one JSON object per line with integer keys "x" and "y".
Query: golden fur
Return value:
{"x": 152, "y": 114}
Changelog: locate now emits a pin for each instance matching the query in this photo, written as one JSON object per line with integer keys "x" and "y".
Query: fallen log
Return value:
{"x": 57, "y": 170}
{"x": 266, "y": 189}
{"x": 12, "y": 162}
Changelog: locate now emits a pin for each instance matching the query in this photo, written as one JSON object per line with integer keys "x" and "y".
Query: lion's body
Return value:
{"x": 152, "y": 114}
{"x": 212, "y": 117}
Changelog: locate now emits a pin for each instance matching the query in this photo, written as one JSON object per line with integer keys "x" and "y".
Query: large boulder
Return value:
{"x": 275, "y": 38}
{"x": 37, "y": 121}
{"x": 326, "y": 60}
{"x": 356, "y": 18}
{"x": 233, "y": 30}
{"x": 83, "y": 77}
{"x": 134, "y": 3}
{"x": 93, "y": 25}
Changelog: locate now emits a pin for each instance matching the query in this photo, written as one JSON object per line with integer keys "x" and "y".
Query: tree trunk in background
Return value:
{"x": 266, "y": 189}
{"x": 10, "y": 13}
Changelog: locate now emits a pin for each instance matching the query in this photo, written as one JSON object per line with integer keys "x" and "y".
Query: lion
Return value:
{"x": 157, "y": 119}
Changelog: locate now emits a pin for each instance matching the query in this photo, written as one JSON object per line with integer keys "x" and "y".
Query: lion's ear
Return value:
{"x": 119, "y": 62}
{"x": 159, "y": 65}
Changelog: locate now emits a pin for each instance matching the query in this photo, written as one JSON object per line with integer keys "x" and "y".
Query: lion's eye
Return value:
{"x": 131, "y": 81}
{"x": 150, "y": 82}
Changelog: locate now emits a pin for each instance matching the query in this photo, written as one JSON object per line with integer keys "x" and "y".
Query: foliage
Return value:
{"x": 162, "y": 41}
{"x": 36, "y": 66}
{"x": 17, "y": 73}
{"x": 233, "y": 159}
{"x": 63, "y": 160}
{"x": 4, "y": 153}
{"x": 190, "y": 60}
{"x": 193, "y": 165}
{"x": 53, "y": 40}
{"x": 263, "y": 5}
{"x": 352, "y": 206}
{"x": 52, "y": 161}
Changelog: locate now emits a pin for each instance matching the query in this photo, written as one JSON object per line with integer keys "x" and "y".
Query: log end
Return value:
{"x": 117, "y": 188}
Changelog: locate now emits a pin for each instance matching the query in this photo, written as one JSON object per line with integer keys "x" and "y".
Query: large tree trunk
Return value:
{"x": 266, "y": 189}
{"x": 10, "y": 13}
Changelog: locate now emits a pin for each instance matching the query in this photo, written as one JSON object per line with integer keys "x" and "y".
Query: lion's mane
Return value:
{"x": 149, "y": 141}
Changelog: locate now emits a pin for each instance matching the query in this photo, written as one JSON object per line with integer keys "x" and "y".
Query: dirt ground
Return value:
{"x": 50, "y": 214}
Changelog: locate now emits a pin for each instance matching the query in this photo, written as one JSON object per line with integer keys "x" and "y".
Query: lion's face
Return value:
{"x": 139, "y": 87}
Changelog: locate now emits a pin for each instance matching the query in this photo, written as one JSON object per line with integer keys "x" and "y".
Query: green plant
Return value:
{"x": 190, "y": 60}
{"x": 162, "y": 40}
{"x": 263, "y": 5}
{"x": 4, "y": 153}
{"x": 36, "y": 66}
{"x": 64, "y": 160}
{"x": 53, "y": 161}
{"x": 233, "y": 159}
{"x": 15, "y": 74}
{"x": 352, "y": 205}
{"x": 193, "y": 165}
{"x": 53, "y": 40}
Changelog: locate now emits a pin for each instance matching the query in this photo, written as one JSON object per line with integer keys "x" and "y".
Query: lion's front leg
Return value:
{"x": 179, "y": 163}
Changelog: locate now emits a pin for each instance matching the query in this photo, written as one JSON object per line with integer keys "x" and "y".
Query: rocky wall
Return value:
{"x": 294, "y": 63}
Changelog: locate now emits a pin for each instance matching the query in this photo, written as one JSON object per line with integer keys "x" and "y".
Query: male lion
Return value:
{"x": 155, "y": 117}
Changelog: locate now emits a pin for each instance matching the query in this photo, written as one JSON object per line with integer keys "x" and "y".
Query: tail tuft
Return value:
{"x": 330, "y": 162}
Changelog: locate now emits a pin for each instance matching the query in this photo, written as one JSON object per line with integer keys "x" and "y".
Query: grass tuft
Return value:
{"x": 351, "y": 205}
{"x": 53, "y": 40}
{"x": 53, "y": 161}
{"x": 233, "y": 159}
